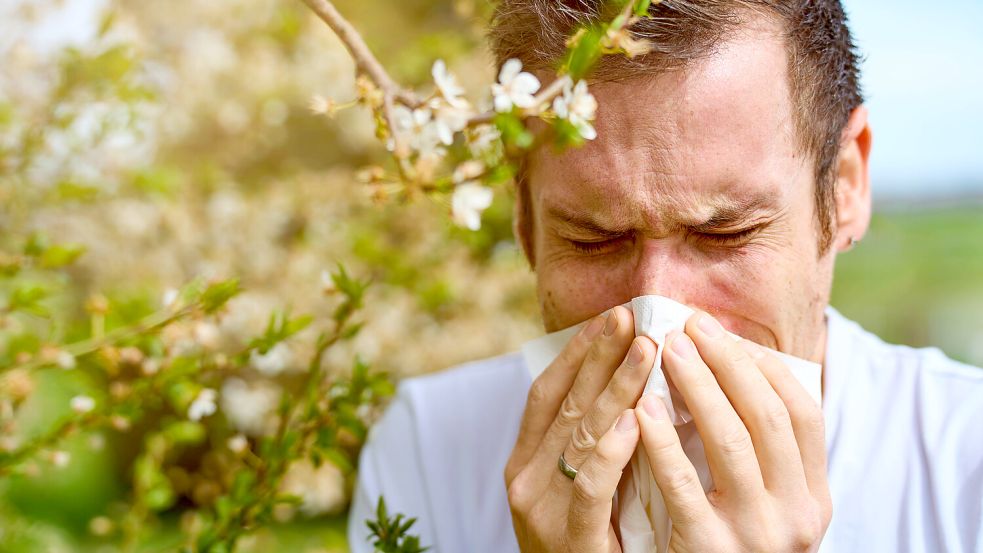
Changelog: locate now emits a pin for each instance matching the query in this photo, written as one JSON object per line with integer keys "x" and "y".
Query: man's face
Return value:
{"x": 696, "y": 188}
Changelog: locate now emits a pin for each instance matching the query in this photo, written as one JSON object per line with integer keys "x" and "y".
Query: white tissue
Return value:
{"x": 641, "y": 514}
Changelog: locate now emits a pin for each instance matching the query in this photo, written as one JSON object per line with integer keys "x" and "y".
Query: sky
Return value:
{"x": 923, "y": 80}
{"x": 922, "y": 77}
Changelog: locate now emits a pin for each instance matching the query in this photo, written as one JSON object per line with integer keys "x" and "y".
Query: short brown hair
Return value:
{"x": 823, "y": 65}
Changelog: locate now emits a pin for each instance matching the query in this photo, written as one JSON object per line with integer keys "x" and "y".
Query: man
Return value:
{"x": 729, "y": 170}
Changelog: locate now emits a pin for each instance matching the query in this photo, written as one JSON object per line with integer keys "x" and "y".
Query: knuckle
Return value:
{"x": 678, "y": 480}
{"x": 736, "y": 442}
{"x": 585, "y": 489}
{"x": 813, "y": 420}
{"x": 623, "y": 386}
{"x": 569, "y": 414}
{"x": 518, "y": 495}
{"x": 806, "y": 534}
{"x": 538, "y": 393}
{"x": 776, "y": 417}
{"x": 582, "y": 439}
{"x": 826, "y": 510}
{"x": 734, "y": 356}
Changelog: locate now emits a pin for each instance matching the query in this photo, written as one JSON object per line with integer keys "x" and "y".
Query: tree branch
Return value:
{"x": 363, "y": 57}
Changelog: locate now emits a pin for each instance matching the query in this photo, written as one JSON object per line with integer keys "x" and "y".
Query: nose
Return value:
{"x": 663, "y": 268}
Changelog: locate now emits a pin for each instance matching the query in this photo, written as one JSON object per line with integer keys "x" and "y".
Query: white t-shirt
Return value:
{"x": 904, "y": 434}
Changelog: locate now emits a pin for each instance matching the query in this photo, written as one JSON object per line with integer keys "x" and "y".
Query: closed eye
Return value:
{"x": 728, "y": 239}
{"x": 601, "y": 246}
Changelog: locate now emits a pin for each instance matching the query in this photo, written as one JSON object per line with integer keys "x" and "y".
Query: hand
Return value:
{"x": 764, "y": 440}
{"x": 581, "y": 406}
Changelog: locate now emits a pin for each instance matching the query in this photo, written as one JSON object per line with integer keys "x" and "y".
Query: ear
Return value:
{"x": 853, "y": 203}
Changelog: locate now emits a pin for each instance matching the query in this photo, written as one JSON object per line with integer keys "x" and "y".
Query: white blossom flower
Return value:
{"x": 448, "y": 120}
{"x": 82, "y": 404}
{"x": 203, "y": 405}
{"x": 578, "y": 106}
{"x": 274, "y": 361}
{"x": 327, "y": 283}
{"x": 515, "y": 87}
{"x": 169, "y": 298}
{"x": 206, "y": 334}
{"x": 249, "y": 407}
{"x": 481, "y": 139}
{"x": 100, "y": 526}
{"x": 320, "y": 489}
{"x": 468, "y": 170}
{"x": 447, "y": 85}
{"x": 238, "y": 443}
{"x": 467, "y": 203}
{"x": 60, "y": 458}
{"x": 150, "y": 366}
{"x": 419, "y": 128}
{"x": 65, "y": 360}
{"x": 321, "y": 105}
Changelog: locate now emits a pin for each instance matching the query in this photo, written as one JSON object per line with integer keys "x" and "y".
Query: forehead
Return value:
{"x": 721, "y": 128}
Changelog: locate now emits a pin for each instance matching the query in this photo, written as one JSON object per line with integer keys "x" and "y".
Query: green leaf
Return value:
{"x": 242, "y": 485}
{"x": 60, "y": 255}
{"x": 185, "y": 433}
{"x": 514, "y": 132}
{"x": 217, "y": 294}
{"x": 566, "y": 135}
{"x": 26, "y": 297}
{"x": 582, "y": 56}
{"x": 36, "y": 244}
{"x": 642, "y": 7}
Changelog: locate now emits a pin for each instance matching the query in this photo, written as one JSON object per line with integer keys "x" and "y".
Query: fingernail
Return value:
{"x": 634, "y": 355}
{"x": 654, "y": 406}
{"x": 626, "y": 421}
{"x": 709, "y": 326}
{"x": 752, "y": 349}
{"x": 594, "y": 328}
{"x": 683, "y": 346}
{"x": 611, "y": 325}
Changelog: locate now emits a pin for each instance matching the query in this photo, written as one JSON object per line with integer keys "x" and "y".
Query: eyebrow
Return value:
{"x": 724, "y": 215}
{"x": 583, "y": 221}
{"x": 730, "y": 214}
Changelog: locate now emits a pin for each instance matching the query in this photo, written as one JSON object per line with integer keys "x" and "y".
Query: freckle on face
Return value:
{"x": 672, "y": 148}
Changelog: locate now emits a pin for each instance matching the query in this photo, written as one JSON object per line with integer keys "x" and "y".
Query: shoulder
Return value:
{"x": 477, "y": 402}
{"x": 481, "y": 380}
{"x": 439, "y": 450}
{"x": 927, "y": 366}
{"x": 920, "y": 393}
{"x": 902, "y": 436}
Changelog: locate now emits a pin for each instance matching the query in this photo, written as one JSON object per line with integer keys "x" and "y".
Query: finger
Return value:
{"x": 597, "y": 480}
{"x": 546, "y": 394}
{"x": 604, "y": 357}
{"x": 675, "y": 475}
{"x": 621, "y": 392}
{"x": 727, "y": 442}
{"x": 806, "y": 415}
{"x": 763, "y": 412}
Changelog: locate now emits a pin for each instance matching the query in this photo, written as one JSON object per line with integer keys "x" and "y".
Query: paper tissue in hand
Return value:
{"x": 641, "y": 514}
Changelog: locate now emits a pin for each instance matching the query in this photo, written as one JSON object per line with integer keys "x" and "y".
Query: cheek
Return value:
{"x": 768, "y": 295}
{"x": 571, "y": 290}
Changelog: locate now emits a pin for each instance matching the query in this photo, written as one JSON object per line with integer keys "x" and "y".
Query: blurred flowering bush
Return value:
{"x": 206, "y": 290}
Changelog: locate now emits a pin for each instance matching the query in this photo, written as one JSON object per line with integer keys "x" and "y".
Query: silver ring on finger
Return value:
{"x": 565, "y": 468}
